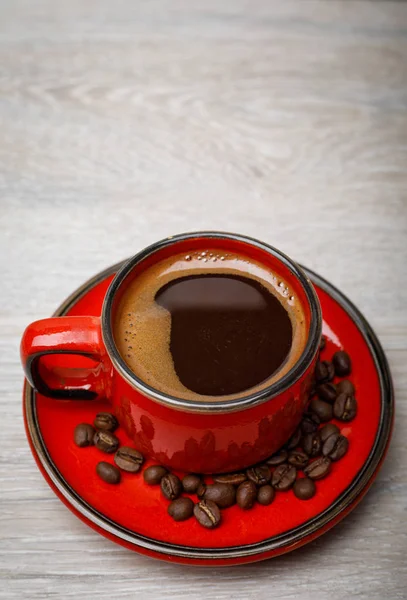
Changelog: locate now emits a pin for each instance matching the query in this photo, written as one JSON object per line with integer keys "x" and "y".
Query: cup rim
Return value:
{"x": 223, "y": 406}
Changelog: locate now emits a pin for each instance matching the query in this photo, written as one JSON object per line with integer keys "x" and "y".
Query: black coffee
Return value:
{"x": 209, "y": 324}
{"x": 228, "y": 333}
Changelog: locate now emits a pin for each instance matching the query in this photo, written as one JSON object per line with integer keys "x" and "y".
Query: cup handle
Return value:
{"x": 78, "y": 336}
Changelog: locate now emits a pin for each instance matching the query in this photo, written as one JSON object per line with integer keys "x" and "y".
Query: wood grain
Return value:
{"x": 122, "y": 122}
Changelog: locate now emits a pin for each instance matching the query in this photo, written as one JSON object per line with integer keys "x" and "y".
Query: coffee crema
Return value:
{"x": 209, "y": 325}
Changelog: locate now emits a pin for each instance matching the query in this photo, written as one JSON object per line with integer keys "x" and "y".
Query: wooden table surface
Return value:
{"x": 122, "y": 122}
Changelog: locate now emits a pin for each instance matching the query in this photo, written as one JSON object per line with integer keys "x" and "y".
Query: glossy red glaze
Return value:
{"x": 183, "y": 439}
{"x": 141, "y": 509}
{"x": 46, "y": 340}
{"x": 209, "y": 443}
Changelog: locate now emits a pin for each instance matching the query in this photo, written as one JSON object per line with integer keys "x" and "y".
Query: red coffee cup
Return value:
{"x": 190, "y": 435}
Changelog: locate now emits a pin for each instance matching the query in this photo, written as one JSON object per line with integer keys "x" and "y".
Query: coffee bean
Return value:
{"x": 345, "y": 407}
{"x": 223, "y": 494}
{"x": 304, "y": 488}
{"x": 171, "y": 486}
{"x": 327, "y": 430}
{"x": 128, "y": 459}
{"x": 153, "y": 475}
{"x": 324, "y": 371}
{"x": 284, "y": 477}
{"x": 260, "y": 475}
{"x": 191, "y": 483}
{"x": 311, "y": 444}
{"x": 280, "y": 457}
{"x": 319, "y": 468}
{"x": 298, "y": 459}
{"x": 83, "y": 435}
{"x": 106, "y": 441}
{"x": 200, "y": 492}
{"x": 310, "y": 423}
{"x": 327, "y": 392}
{"x": 265, "y": 495}
{"x": 181, "y": 509}
{"x": 330, "y": 371}
{"x": 106, "y": 421}
{"x": 322, "y": 409}
{"x": 207, "y": 514}
{"x": 246, "y": 495}
{"x": 341, "y": 362}
{"x": 335, "y": 446}
{"x": 294, "y": 439}
{"x": 322, "y": 343}
{"x": 109, "y": 473}
{"x": 232, "y": 478}
{"x": 346, "y": 386}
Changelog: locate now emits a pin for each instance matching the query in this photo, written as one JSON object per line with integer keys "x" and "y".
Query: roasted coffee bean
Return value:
{"x": 171, "y": 486}
{"x": 181, "y": 509}
{"x": 207, "y": 514}
{"x": 342, "y": 364}
{"x": 128, "y": 459}
{"x": 322, "y": 343}
{"x": 310, "y": 423}
{"x": 304, "y": 488}
{"x": 284, "y": 477}
{"x": 335, "y": 446}
{"x": 153, "y": 475}
{"x": 191, "y": 483}
{"x": 246, "y": 495}
{"x": 327, "y": 392}
{"x": 106, "y": 422}
{"x": 346, "y": 386}
{"x": 322, "y": 409}
{"x": 232, "y": 478}
{"x": 279, "y": 458}
{"x": 108, "y": 472}
{"x": 345, "y": 407}
{"x": 330, "y": 371}
{"x": 294, "y": 439}
{"x": 327, "y": 430}
{"x": 265, "y": 495}
{"x": 311, "y": 444}
{"x": 106, "y": 441}
{"x": 83, "y": 435}
{"x": 223, "y": 494}
{"x": 319, "y": 468}
{"x": 298, "y": 459}
{"x": 201, "y": 489}
{"x": 260, "y": 475}
{"x": 324, "y": 371}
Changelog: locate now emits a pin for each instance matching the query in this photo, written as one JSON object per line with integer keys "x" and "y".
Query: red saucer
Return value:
{"x": 134, "y": 514}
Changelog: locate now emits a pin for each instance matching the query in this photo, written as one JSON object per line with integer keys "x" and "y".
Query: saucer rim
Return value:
{"x": 277, "y": 544}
